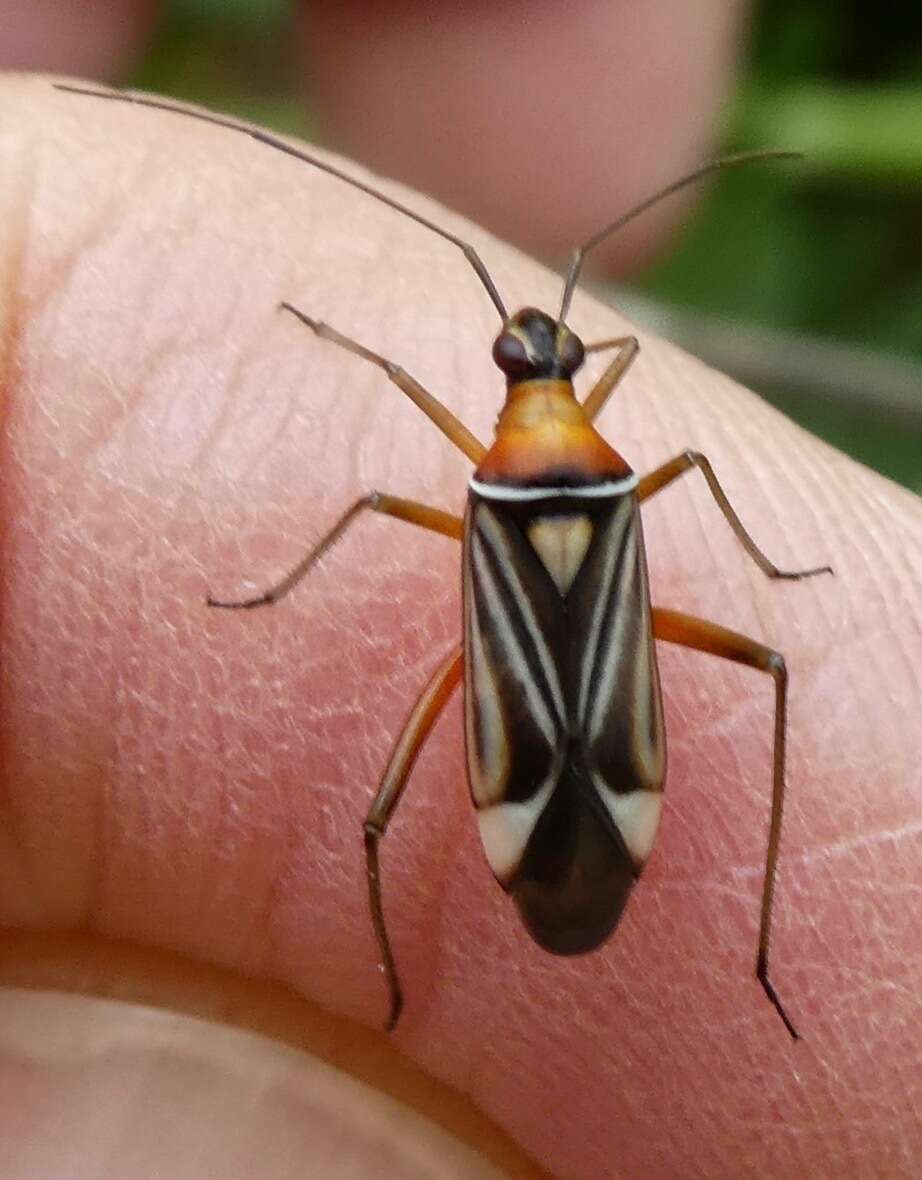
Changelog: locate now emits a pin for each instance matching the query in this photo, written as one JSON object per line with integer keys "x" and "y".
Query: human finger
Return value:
{"x": 167, "y": 424}
{"x": 541, "y": 123}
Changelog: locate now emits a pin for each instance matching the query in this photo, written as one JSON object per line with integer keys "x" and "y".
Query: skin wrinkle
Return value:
{"x": 118, "y": 204}
{"x": 96, "y": 854}
{"x": 222, "y": 421}
{"x": 263, "y": 453}
{"x": 873, "y": 566}
{"x": 17, "y": 172}
{"x": 803, "y": 472}
{"x": 460, "y": 947}
{"x": 842, "y": 847}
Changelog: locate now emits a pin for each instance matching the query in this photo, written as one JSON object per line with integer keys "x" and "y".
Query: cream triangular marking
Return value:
{"x": 506, "y": 828}
{"x": 561, "y": 542}
{"x": 635, "y": 815}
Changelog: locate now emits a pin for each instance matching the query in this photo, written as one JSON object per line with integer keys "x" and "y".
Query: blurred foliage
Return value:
{"x": 829, "y": 247}
{"x": 234, "y": 55}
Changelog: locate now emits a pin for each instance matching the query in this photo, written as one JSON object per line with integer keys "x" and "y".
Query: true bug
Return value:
{"x": 563, "y": 715}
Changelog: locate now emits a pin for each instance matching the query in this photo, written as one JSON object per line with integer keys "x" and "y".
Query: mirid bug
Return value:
{"x": 566, "y": 750}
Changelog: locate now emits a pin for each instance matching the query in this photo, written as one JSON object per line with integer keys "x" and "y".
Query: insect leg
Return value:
{"x": 453, "y": 429}
{"x": 663, "y": 476}
{"x": 433, "y": 519}
{"x": 425, "y": 713}
{"x": 673, "y": 627}
{"x": 599, "y": 394}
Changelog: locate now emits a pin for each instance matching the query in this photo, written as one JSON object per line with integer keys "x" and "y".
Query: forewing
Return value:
{"x": 515, "y": 710}
{"x": 615, "y": 683}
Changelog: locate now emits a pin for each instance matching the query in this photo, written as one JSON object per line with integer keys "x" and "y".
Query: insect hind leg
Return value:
{"x": 429, "y": 705}
{"x": 686, "y": 631}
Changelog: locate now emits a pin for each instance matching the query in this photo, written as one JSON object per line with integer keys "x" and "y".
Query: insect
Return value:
{"x": 566, "y": 750}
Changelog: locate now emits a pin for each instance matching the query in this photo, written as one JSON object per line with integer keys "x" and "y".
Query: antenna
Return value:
{"x": 580, "y": 252}
{"x": 280, "y": 145}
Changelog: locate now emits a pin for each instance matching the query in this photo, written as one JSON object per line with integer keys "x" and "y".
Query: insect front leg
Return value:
{"x": 663, "y": 476}
{"x": 673, "y": 627}
{"x": 628, "y": 349}
{"x": 453, "y": 428}
{"x": 425, "y": 713}
{"x": 411, "y": 511}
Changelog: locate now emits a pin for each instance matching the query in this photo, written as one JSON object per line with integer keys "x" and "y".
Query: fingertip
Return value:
{"x": 541, "y": 128}
{"x": 101, "y": 41}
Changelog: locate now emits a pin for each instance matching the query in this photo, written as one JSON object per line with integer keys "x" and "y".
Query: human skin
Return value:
{"x": 540, "y": 121}
{"x": 93, "y": 40}
{"x": 194, "y": 782}
{"x": 577, "y": 110}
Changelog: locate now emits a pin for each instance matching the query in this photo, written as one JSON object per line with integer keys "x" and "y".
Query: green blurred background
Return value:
{"x": 818, "y": 305}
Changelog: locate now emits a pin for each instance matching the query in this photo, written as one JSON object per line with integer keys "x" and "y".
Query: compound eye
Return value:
{"x": 510, "y": 355}
{"x": 570, "y": 352}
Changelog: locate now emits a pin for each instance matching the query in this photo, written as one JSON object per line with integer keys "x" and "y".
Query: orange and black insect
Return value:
{"x": 566, "y": 750}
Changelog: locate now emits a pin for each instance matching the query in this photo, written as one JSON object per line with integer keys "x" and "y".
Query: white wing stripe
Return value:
{"x": 606, "y": 664}
{"x": 592, "y": 491}
{"x": 612, "y": 544}
{"x": 515, "y": 657}
{"x": 486, "y": 524}
{"x": 489, "y": 771}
